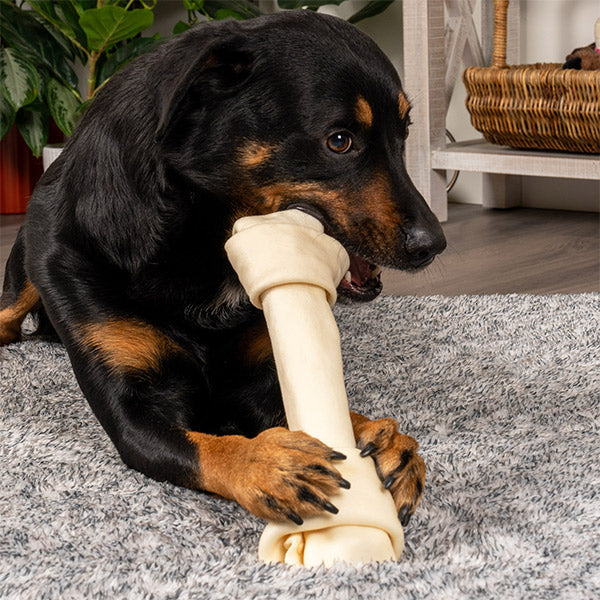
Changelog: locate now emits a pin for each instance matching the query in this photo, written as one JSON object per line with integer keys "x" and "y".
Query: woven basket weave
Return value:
{"x": 539, "y": 106}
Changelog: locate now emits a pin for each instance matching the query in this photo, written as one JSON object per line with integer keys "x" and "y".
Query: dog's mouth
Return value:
{"x": 362, "y": 281}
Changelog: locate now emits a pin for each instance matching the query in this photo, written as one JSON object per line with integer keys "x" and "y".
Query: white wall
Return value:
{"x": 569, "y": 24}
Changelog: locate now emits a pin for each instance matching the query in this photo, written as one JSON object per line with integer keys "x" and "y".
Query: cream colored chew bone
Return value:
{"x": 290, "y": 270}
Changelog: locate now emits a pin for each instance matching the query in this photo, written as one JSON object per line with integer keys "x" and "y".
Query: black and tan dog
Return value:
{"x": 121, "y": 253}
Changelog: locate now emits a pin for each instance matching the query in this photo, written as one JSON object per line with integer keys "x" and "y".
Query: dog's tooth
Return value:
{"x": 348, "y": 277}
{"x": 376, "y": 271}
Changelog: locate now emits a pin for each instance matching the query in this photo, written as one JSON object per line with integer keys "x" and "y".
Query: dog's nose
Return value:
{"x": 422, "y": 245}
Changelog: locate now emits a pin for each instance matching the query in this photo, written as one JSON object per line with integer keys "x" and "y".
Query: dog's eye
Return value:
{"x": 339, "y": 142}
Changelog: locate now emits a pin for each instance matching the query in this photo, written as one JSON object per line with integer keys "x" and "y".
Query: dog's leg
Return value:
{"x": 399, "y": 467}
{"x": 19, "y": 296}
{"x": 151, "y": 397}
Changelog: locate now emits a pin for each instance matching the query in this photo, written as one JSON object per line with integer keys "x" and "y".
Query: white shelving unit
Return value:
{"x": 480, "y": 156}
{"x": 430, "y": 75}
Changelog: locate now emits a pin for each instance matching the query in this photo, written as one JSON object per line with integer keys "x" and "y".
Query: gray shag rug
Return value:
{"x": 503, "y": 393}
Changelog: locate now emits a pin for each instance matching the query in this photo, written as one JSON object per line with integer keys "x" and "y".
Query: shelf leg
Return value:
{"x": 501, "y": 191}
{"x": 424, "y": 84}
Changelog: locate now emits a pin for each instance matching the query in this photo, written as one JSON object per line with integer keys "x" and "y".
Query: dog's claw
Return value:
{"x": 335, "y": 455}
{"x": 292, "y": 516}
{"x": 389, "y": 481}
{"x": 331, "y": 508}
{"x": 404, "y": 515}
{"x": 368, "y": 449}
{"x": 343, "y": 483}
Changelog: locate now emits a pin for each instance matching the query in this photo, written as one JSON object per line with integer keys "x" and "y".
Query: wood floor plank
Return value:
{"x": 512, "y": 251}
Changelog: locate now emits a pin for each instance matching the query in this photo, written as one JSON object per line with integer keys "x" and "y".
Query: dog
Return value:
{"x": 121, "y": 252}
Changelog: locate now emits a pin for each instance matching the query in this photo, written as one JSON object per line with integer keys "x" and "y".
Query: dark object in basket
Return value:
{"x": 538, "y": 106}
{"x": 586, "y": 58}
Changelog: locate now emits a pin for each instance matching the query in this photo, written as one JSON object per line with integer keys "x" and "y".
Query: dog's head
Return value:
{"x": 302, "y": 110}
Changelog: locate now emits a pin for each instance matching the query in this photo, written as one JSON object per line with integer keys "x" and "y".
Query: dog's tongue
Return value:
{"x": 362, "y": 280}
{"x": 360, "y": 270}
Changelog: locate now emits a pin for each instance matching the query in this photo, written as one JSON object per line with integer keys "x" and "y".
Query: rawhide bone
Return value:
{"x": 290, "y": 269}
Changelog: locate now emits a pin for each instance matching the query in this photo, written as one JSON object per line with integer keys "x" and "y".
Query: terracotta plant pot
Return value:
{"x": 20, "y": 170}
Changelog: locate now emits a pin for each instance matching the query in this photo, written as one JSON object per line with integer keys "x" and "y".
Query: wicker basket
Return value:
{"x": 538, "y": 106}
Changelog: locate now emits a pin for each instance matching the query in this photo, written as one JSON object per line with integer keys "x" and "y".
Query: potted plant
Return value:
{"x": 41, "y": 44}
{"x": 45, "y": 43}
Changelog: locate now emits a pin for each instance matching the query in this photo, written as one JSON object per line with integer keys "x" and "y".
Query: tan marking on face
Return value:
{"x": 363, "y": 112}
{"x": 375, "y": 220}
{"x": 128, "y": 344}
{"x": 14, "y": 314}
{"x": 362, "y": 213}
{"x": 273, "y": 196}
{"x": 254, "y": 154}
{"x": 403, "y": 105}
{"x": 377, "y": 200}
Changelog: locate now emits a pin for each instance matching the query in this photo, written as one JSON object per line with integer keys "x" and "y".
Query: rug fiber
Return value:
{"x": 502, "y": 392}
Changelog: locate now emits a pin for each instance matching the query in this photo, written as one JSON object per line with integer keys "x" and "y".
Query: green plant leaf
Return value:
{"x": 370, "y": 10}
{"x": 180, "y": 27}
{"x": 51, "y": 56}
{"x": 7, "y": 116}
{"x": 82, "y": 5}
{"x": 226, "y": 13}
{"x": 68, "y": 14}
{"x": 26, "y": 32}
{"x": 122, "y": 55}
{"x": 106, "y": 26}
{"x": 64, "y": 43}
{"x": 243, "y": 9}
{"x": 33, "y": 124}
{"x": 46, "y": 10}
{"x": 83, "y": 107}
{"x": 19, "y": 80}
{"x": 63, "y": 106}
{"x": 43, "y": 76}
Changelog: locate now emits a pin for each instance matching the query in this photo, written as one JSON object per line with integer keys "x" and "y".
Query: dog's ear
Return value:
{"x": 220, "y": 70}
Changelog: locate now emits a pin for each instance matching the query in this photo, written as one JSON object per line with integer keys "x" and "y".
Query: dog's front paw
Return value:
{"x": 286, "y": 474}
{"x": 399, "y": 467}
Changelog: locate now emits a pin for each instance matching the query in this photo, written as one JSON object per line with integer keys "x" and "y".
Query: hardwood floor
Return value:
{"x": 9, "y": 226}
{"x": 489, "y": 252}
{"x": 517, "y": 250}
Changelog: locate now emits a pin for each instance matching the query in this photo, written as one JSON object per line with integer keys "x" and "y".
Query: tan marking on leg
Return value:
{"x": 395, "y": 457}
{"x": 363, "y": 112}
{"x": 403, "y": 105}
{"x": 14, "y": 314}
{"x": 218, "y": 458}
{"x": 128, "y": 344}
{"x": 265, "y": 474}
{"x": 358, "y": 421}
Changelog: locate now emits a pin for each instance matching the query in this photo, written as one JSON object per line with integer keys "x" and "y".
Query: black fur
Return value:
{"x": 130, "y": 222}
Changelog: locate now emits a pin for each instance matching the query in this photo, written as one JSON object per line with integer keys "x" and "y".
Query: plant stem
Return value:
{"x": 91, "y": 80}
